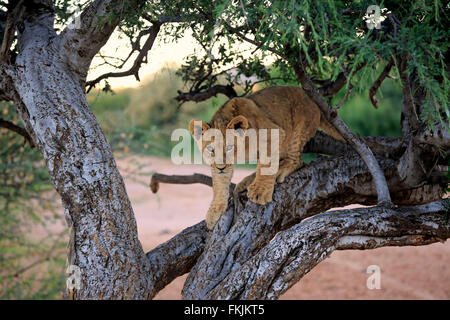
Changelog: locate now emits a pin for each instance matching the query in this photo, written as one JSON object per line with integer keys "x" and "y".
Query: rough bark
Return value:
{"x": 52, "y": 105}
{"x": 322, "y": 185}
{"x": 81, "y": 44}
{"x": 424, "y": 145}
{"x": 176, "y": 256}
{"x": 294, "y": 252}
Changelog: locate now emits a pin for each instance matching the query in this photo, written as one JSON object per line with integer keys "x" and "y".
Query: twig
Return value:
{"x": 19, "y": 130}
{"x": 134, "y": 70}
{"x": 199, "y": 95}
{"x": 341, "y": 102}
{"x": 373, "y": 89}
{"x": 182, "y": 179}
{"x": 254, "y": 42}
{"x": 47, "y": 257}
{"x": 330, "y": 88}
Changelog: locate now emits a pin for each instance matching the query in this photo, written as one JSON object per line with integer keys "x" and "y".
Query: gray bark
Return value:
{"x": 176, "y": 256}
{"x": 52, "y": 105}
{"x": 294, "y": 252}
{"x": 322, "y": 185}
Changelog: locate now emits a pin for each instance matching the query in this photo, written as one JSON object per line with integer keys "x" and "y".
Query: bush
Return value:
{"x": 141, "y": 120}
{"x": 363, "y": 119}
{"x": 26, "y": 206}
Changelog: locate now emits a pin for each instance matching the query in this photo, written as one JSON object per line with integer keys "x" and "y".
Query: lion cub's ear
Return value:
{"x": 239, "y": 123}
{"x": 198, "y": 128}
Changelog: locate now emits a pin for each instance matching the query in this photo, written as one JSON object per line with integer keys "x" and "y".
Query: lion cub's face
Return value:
{"x": 218, "y": 145}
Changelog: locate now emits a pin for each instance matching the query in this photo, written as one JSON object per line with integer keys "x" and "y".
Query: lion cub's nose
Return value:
{"x": 221, "y": 169}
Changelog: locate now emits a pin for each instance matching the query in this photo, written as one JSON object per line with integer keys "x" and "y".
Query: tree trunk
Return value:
{"x": 52, "y": 104}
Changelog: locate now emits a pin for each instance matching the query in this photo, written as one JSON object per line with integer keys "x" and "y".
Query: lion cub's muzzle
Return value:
{"x": 222, "y": 169}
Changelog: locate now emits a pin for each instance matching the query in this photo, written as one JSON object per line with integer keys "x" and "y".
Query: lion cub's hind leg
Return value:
{"x": 292, "y": 161}
{"x": 260, "y": 191}
{"x": 298, "y": 140}
{"x": 287, "y": 166}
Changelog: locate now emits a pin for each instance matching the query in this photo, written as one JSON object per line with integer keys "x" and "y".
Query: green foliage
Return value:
{"x": 384, "y": 121}
{"x": 32, "y": 256}
{"x": 338, "y": 39}
{"x": 365, "y": 120}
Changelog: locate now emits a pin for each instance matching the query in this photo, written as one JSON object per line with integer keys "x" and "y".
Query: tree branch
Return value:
{"x": 202, "y": 95}
{"x": 373, "y": 89}
{"x": 294, "y": 252}
{"x": 19, "y": 130}
{"x": 408, "y": 99}
{"x": 439, "y": 136}
{"x": 176, "y": 256}
{"x": 382, "y": 146}
{"x": 83, "y": 41}
{"x": 330, "y": 88}
{"x": 180, "y": 179}
{"x": 317, "y": 187}
{"x": 242, "y": 36}
{"x": 134, "y": 70}
{"x": 424, "y": 145}
{"x": 366, "y": 154}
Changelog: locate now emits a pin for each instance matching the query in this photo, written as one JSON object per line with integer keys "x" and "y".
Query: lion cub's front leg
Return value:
{"x": 221, "y": 185}
{"x": 214, "y": 212}
{"x": 261, "y": 189}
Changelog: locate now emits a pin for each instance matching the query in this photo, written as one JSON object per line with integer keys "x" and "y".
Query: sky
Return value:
{"x": 160, "y": 56}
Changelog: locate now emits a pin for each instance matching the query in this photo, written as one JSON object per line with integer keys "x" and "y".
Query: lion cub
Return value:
{"x": 290, "y": 119}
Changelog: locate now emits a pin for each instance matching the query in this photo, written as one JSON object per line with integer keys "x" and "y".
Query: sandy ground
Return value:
{"x": 406, "y": 273}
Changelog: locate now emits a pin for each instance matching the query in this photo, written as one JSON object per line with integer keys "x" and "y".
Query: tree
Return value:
{"x": 254, "y": 251}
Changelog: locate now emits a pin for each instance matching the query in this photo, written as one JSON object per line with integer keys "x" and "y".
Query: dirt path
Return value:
{"x": 406, "y": 273}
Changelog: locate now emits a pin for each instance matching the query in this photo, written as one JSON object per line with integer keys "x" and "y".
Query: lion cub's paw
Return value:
{"x": 260, "y": 193}
{"x": 214, "y": 213}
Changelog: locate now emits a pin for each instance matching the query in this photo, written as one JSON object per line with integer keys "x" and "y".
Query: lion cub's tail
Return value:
{"x": 329, "y": 129}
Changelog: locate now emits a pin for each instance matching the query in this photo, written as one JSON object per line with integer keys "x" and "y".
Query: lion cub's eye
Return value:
{"x": 229, "y": 148}
{"x": 210, "y": 149}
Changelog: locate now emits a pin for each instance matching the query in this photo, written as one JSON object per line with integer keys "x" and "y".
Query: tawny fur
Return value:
{"x": 286, "y": 108}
